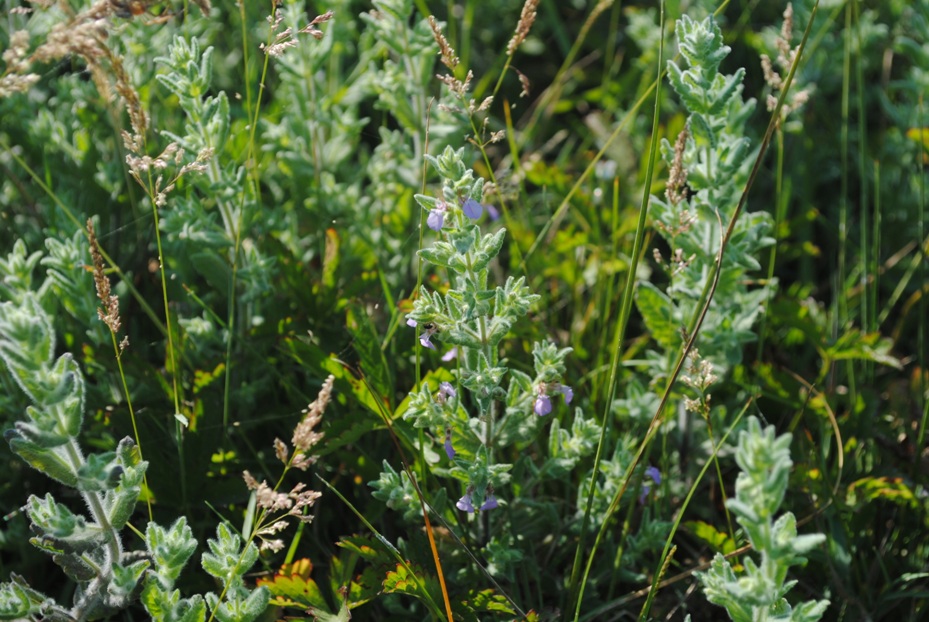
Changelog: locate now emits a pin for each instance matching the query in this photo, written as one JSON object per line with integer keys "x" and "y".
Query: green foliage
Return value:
{"x": 89, "y": 548}
{"x": 277, "y": 193}
{"x": 714, "y": 158}
{"x": 475, "y": 318}
{"x": 227, "y": 561}
{"x": 89, "y": 551}
{"x": 758, "y": 594}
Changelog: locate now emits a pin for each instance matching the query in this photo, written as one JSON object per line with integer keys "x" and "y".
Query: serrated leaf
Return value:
{"x": 488, "y": 601}
{"x": 367, "y": 548}
{"x": 292, "y": 586}
{"x": 366, "y": 587}
{"x": 400, "y": 580}
{"x": 420, "y": 585}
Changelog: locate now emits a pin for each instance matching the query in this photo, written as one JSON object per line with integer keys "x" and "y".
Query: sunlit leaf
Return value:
{"x": 293, "y": 587}
{"x": 893, "y": 489}
{"x": 718, "y": 540}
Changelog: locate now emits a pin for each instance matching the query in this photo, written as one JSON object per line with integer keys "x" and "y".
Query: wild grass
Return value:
{"x": 587, "y": 300}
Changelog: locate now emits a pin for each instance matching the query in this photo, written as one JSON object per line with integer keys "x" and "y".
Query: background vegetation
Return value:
{"x": 278, "y": 245}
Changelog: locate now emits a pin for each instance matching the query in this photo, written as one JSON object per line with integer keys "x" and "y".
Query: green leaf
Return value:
{"x": 166, "y": 605}
{"x": 213, "y": 268}
{"x": 373, "y": 363}
{"x": 226, "y": 560}
{"x": 718, "y": 540}
{"x": 401, "y": 581}
{"x": 45, "y": 460}
{"x": 659, "y": 315}
{"x": 343, "y": 615}
{"x": 370, "y": 549}
{"x": 892, "y": 489}
{"x": 487, "y": 601}
{"x": 855, "y": 345}
{"x": 293, "y": 587}
{"x": 18, "y": 602}
{"x": 126, "y": 580}
{"x": 344, "y": 431}
{"x": 170, "y": 549}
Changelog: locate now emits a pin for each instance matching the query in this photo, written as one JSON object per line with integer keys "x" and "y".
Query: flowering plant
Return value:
{"x": 484, "y": 410}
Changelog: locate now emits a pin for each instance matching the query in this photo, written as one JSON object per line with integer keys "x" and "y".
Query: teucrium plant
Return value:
{"x": 472, "y": 317}
{"x": 709, "y": 168}
{"x": 88, "y": 547}
{"x": 757, "y": 595}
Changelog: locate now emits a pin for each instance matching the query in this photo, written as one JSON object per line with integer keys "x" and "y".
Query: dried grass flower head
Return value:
{"x": 526, "y": 19}
{"x": 305, "y": 435}
{"x": 786, "y": 58}
{"x": 676, "y": 190}
{"x": 287, "y": 38}
{"x": 277, "y": 506}
{"x": 82, "y": 35}
{"x": 446, "y": 52}
{"x": 109, "y": 312}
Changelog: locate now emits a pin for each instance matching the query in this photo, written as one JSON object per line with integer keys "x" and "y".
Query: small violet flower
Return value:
{"x": 464, "y": 504}
{"x": 451, "y": 355}
{"x": 543, "y": 402}
{"x": 490, "y": 502}
{"x": 472, "y": 209}
{"x": 449, "y": 450}
{"x": 543, "y": 405}
{"x": 655, "y": 475}
{"x": 436, "y": 218}
{"x": 425, "y": 337}
{"x": 447, "y": 390}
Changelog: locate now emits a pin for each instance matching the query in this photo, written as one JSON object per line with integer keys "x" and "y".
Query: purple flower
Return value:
{"x": 424, "y": 338}
{"x": 493, "y": 212}
{"x": 435, "y": 220}
{"x": 472, "y": 209}
{"x": 568, "y": 393}
{"x": 449, "y": 450}
{"x": 653, "y": 473}
{"x": 436, "y": 217}
{"x": 464, "y": 504}
{"x": 543, "y": 405}
{"x": 429, "y": 330}
{"x": 447, "y": 389}
{"x": 490, "y": 503}
{"x": 451, "y": 355}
